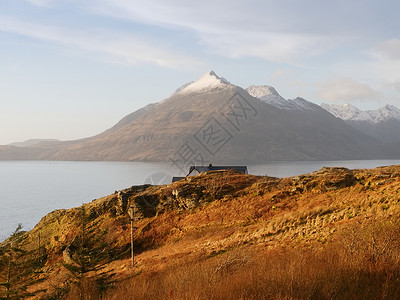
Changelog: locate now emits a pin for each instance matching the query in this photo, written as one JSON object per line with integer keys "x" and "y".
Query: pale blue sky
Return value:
{"x": 72, "y": 68}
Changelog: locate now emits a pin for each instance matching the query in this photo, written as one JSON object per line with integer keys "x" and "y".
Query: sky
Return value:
{"x": 72, "y": 68}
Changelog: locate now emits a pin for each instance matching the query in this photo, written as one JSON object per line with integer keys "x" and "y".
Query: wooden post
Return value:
{"x": 39, "y": 247}
{"x": 8, "y": 279}
{"x": 132, "y": 245}
{"x": 132, "y": 215}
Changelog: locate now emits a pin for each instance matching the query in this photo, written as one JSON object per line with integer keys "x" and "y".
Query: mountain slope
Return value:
{"x": 225, "y": 235}
{"x": 213, "y": 120}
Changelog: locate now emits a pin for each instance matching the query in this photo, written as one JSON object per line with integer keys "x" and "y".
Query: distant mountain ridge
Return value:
{"x": 269, "y": 95}
{"x": 382, "y": 123}
{"x": 219, "y": 122}
{"x": 33, "y": 142}
{"x": 352, "y": 113}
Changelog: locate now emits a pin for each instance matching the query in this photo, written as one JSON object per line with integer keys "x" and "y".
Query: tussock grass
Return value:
{"x": 361, "y": 263}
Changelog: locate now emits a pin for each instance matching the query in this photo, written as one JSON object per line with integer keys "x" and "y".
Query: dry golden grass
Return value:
{"x": 331, "y": 234}
{"x": 360, "y": 264}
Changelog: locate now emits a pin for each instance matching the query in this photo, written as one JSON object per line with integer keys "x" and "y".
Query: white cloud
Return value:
{"x": 347, "y": 90}
{"x": 281, "y": 72}
{"x": 126, "y": 48}
{"x": 218, "y": 27}
{"x": 276, "y": 31}
{"x": 384, "y": 62}
{"x": 395, "y": 85}
{"x": 39, "y": 2}
{"x": 277, "y": 47}
{"x": 378, "y": 64}
{"x": 230, "y": 29}
{"x": 388, "y": 50}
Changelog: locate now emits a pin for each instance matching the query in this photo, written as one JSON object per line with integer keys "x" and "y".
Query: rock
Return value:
{"x": 67, "y": 256}
{"x": 122, "y": 203}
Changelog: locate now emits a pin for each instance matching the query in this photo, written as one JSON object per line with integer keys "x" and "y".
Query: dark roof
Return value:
{"x": 174, "y": 179}
{"x": 241, "y": 169}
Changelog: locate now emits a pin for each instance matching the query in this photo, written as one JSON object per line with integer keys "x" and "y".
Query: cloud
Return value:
{"x": 388, "y": 50}
{"x": 39, "y": 2}
{"x": 283, "y": 32}
{"x": 281, "y": 72}
{"x": 383, "y": 63}
{"x": 380, "y": 63}
{"x": 290, "y": 16}
{"x": 125, "y": 48}
{"x": 231, "y": 29}
{"x": 346, "y": 89}
{"x": 282, "y": 48}
{"x": 395, "y": 85}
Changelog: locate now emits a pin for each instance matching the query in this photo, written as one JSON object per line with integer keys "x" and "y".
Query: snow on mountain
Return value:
{"x": 302, "y": 104}
{"x": 208, "y": 82}
{"x": 269, "y": 95}
{"x": 263, "y": 91}
{"x": 177, "y": 91}
{"x": 385, "y": 113}
{"x": 349, "y": 112}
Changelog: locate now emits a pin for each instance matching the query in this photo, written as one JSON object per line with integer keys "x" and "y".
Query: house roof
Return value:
{"x": 175, "y": 178}
{"x": 241, "y": 169}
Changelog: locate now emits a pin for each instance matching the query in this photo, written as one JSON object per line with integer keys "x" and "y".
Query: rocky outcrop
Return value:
{"x": 326, "y": 179}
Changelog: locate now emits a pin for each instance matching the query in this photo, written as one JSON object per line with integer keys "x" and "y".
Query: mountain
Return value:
{"x": 383, "y": 123}
{"x": 33, "y": 142}
{"x": 211, "y": 119}
{"x": 269, "y": 95}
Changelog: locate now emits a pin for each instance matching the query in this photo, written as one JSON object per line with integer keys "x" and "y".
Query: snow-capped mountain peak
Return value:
{"x": 260, "y": 91}
{"x": 349, "y": 112}
{"x": 177, "y": 91}
{"x": 385, "y": 113}
{"x": 269, "y": 95}
{"x": 209, "y": 81}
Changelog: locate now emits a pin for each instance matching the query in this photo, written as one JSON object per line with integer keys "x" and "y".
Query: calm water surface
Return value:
{"x": 31, "y": 189}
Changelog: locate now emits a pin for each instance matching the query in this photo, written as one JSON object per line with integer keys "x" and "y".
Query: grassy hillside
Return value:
{"x": 331, "y": 234}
